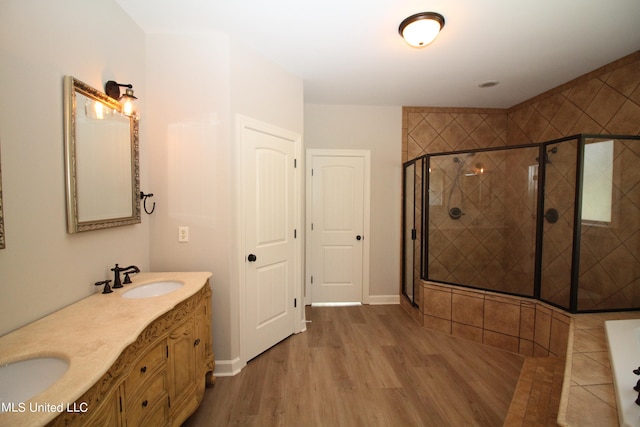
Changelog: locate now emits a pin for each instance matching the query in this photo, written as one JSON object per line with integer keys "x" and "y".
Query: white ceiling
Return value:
{"x": 349, "y": 51}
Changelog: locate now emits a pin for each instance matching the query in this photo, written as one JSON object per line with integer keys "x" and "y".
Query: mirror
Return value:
{"x": 2, "y": 246}
{"x": 101, "y": 160}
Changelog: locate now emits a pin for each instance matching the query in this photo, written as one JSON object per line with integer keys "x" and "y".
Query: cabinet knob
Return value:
{"x": 196, "y": 342}
{"x": 144, "y": 403}
{"x": 143, "y": 369}
{"x": 252, "y": 258}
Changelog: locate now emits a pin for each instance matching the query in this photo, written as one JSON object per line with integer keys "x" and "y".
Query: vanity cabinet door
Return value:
{"x": 182, "y": 370}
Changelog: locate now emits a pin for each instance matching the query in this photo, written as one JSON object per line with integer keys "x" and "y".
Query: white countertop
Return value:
{"x": 90, "y": 334}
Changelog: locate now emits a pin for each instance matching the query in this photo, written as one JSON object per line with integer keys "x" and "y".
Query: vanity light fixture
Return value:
{"x": 112, "y": 89}
{"x": 421, "y": 29}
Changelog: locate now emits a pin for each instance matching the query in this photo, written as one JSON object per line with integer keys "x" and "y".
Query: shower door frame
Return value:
{"x": 539, "y": 221}
{"x": 426, "y": 211}
{"x": 417, "y": 162}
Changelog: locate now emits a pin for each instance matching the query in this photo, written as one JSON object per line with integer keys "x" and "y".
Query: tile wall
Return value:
{"x": 604, "y": 101}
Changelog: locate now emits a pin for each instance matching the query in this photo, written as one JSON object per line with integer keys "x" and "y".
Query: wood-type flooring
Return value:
{"x": 365, "y": 366}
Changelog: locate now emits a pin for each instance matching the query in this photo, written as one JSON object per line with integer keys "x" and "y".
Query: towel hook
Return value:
{"x": 144, "y": 202}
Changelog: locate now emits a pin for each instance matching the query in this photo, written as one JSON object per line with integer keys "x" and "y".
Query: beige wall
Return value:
{"x": 190, "y": 86}
{"x": 197, "y": 84}
{"x": 373, "y": 128}
{"x": 43, "y": 268}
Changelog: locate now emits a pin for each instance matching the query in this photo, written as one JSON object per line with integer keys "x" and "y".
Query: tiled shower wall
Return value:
{"x": 604, "y": 101}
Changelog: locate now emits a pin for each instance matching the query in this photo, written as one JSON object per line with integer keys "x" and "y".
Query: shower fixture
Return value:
{"x": 547, "y": 157}
{"x": 456, "y": 212}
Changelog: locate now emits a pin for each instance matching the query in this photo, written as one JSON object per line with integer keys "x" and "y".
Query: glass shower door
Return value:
{"x": 412, "y": 229}
{"x": 558, "y": 161}
{"x": 408, "y": 231}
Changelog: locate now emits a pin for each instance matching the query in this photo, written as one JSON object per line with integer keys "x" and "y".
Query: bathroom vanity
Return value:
{"x": 138, "y": 359}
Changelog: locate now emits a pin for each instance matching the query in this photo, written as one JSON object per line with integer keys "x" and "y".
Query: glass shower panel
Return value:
{"x": 609, "y": 268}
{"x": 481, "y": 218}
{"x": 412, "y": 229}
{"x": 408, "y": 231}
{"x": 558, "y": 222}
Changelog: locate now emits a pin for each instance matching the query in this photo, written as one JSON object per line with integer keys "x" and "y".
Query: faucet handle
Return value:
{"x": 107, "y": 288}
{"x": 116, "y": 276}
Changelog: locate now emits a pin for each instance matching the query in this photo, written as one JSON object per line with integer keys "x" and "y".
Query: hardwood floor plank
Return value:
{"x": 365, "y": 366}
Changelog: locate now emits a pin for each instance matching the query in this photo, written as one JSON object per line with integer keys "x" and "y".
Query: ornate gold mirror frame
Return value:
{"x": 101, "y": 160}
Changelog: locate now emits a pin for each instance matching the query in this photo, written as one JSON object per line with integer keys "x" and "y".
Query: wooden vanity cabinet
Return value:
{"x": 159, "y": 380}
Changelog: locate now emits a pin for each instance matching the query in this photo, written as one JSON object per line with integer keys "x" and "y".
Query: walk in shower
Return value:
{"x": 558, "y": 221}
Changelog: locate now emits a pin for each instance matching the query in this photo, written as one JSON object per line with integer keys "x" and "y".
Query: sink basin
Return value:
{"x": 154, "y": 289}
{"x": 20, "y": 381}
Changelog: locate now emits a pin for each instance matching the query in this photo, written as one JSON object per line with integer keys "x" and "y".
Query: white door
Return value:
{"x": 337, "y": 234}
{"x": 270, "y": 258}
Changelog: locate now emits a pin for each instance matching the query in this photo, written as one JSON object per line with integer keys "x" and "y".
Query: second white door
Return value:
{"x": 336, "y": 234}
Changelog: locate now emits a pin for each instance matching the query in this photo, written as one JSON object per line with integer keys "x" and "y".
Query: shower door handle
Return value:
{"x": 551, "y": 215}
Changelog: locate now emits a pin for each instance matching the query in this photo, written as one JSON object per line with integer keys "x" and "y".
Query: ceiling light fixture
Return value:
{"x": 421, "y": 29}
{"x": 112, "y": 89}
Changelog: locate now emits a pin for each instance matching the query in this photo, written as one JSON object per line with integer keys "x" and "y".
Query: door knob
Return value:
{"x": 358, "y": 237}
{"x": 252, "y": 258}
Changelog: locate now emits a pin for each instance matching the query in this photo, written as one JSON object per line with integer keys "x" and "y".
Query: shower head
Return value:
{"x": 547, "y": 156}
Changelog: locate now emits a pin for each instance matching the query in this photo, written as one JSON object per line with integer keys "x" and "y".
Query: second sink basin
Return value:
{"x": 154, "y": 289}
{"x": 22, "y": 380}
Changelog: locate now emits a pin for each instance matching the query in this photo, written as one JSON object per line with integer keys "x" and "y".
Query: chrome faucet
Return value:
{"x": 126, "y": 270}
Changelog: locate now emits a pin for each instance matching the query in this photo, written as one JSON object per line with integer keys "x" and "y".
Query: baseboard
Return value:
{"x": 228, "y": 368}
{"x": 384, "y": 299}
